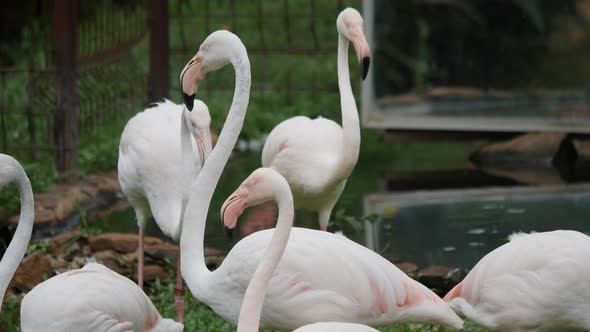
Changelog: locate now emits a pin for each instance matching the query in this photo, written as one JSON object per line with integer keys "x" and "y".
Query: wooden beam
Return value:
{"x": 65, "y": 130}
{"x": 159, "y": 76}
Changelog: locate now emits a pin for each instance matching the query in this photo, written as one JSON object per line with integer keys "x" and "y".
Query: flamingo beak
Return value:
{"x": 363, "y": 52}
{"x": 190, "y": 77}
{"x": 232, "y": 209}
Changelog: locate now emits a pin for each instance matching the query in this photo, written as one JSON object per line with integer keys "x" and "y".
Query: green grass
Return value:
{"x": 198, "y": 317}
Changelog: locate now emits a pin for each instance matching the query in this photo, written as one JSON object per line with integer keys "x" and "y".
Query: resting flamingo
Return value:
{"x": 317, "y": 156}
{"x": 535, "y": 282}
{"x": 93, "y": 298}
{"x": 264, "y": 185}
{"x": 152, "y": 175}
{"x": 347, "y": 282}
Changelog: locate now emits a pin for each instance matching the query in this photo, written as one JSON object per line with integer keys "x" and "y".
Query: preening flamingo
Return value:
{"x": 265, "y": 185}
{"x": 535, "y": 282}
{"x": 154, "y": 177}
{"x": 348, "y": 282}
{"x": 317, "y": 156}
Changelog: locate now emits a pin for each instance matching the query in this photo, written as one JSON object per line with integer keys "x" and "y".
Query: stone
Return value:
{"x": 153, "y": 272}
{"x": 162, "y": 250}
{"x": 433, "y": 276}
{"x": 34, "y": 269}
{"x": 71, "y": 198}
{"x": 407, "y": 268}
{"x": 123, "y": 243}
{"x": 107, "y": 258}
{"x": 533, "y": 149}
{"x": 57, "y": 244}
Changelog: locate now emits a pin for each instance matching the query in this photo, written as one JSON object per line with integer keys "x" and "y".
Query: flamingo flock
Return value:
{"x": 286, "y": 278}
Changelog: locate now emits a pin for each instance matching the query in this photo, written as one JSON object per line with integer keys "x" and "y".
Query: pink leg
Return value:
{"x": 140, "y": 259}
{"x": 179, "y": 293}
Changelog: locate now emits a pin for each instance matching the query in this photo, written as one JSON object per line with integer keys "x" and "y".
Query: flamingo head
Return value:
{"x": 260, "y": 187}
{"x": 219, "y": 48}
{"x": 350, "y": 25}
{"x": 199, "y": 121}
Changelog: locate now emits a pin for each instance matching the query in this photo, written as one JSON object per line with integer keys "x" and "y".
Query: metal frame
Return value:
{"x": 376, "y": 117}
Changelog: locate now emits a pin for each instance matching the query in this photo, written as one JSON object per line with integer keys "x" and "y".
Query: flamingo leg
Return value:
{"x": 324, "y": 218}
{"x": 140, "y": 259}
{"x": 179, "y": 293}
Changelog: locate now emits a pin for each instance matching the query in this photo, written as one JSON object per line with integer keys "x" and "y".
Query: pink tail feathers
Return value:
{"x": 455, "y": 292}
{"x": 422, "y": 305}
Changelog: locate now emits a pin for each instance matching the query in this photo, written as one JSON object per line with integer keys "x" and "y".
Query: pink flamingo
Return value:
{"x": 91, "y": 299}
{"x": 347, "y": 283}
{"x": 535, "y": 282}
{"x": 317, "y": 156}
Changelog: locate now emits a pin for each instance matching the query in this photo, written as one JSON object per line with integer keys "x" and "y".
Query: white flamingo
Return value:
{"x": 347, "y": 282}
{"x": 93, "y": 298}
{"x": 317, "y": 156}
{"x": 535, "y": 282}
{"x": 265, "y": 184}
{"x": 153, "y": 175}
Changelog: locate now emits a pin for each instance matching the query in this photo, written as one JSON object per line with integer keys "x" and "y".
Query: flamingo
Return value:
{"x": 317, "y": 156}
{"x": 347, "y": 283}
{"x": 153, "y": 176}
{"x": 535, "y": 282}
{"x": 264, "y": 185}
{"x": 11, "y": 171}
{"x": 93, "y": 298}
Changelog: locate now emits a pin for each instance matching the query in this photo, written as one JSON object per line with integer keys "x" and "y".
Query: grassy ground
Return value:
{"x": 198, "y": 317}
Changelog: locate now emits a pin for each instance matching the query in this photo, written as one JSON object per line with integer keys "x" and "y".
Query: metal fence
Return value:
{"x": 291, "y": 43}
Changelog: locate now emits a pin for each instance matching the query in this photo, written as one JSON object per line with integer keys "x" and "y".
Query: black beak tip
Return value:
{"x": 188, "y": 100}
{"x": 229, "y": 233}
{"x": 365, "y": 64}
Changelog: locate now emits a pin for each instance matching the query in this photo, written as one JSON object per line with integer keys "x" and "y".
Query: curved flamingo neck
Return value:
{"x": 249, "y": 320}
{"x": 194, "y": 270}
{"x": 351, "y": 132}
{"x": 20, "y": 241}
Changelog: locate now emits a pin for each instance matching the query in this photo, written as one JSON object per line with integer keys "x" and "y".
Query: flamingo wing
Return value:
{"x": 346, "y": 282}
{"x": 530, "y": 283}
{"x": 93, "y": 298}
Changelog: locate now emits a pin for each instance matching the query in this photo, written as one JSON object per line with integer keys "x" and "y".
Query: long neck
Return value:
{"x": 351, "y": 132}
{"x": 186, "y": 157}
{"x": 254, "y": 298}
{"x": 20, "y": 241}
{"x": 194, "y": 270}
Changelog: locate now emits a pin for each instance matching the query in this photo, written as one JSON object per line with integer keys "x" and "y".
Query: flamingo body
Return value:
{"x": 307, "y": 153}
{"x": 335, "y": 327}
{"x": 150, "y": 166}
{"x": 92, "y": 299}
{"x": 347, "y": 283}
{"x": 536, "y": 282}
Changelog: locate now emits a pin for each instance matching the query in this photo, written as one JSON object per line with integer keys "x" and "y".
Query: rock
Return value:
{"x": 42, "y": 217}
{"x": 33, "y": 270}
{"x": 58, "y": 244}
{"x": 407, "y": 268}
{"x": 153, "y": 272}
{"x": 162, "y": 250}
{"x": 123, "y": 243}
{"x": 213, "y": 252}
{"x": 434, "y": 276}
{"x": 533, "y": 149}
{"x": 108, "y": 258}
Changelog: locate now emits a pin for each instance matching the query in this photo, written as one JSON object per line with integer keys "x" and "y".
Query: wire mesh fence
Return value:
{"x": 107, "y": 31}
{"x": 291, "y": 43}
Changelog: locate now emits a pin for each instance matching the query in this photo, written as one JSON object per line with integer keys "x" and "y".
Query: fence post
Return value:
{"x": 159, "y": 76}
{"x": 66, "y": 124}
